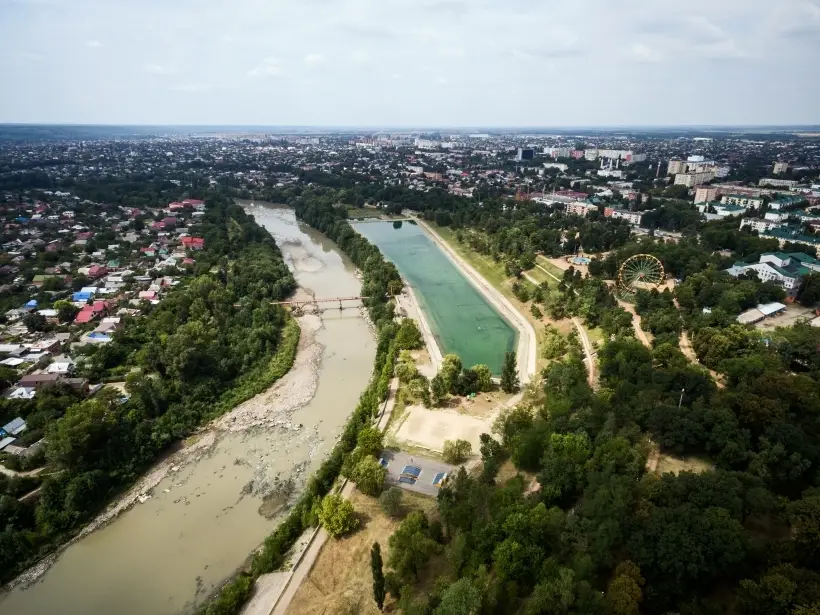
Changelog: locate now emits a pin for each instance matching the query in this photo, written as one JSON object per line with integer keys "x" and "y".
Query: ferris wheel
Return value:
{"x": 642, "y": 271}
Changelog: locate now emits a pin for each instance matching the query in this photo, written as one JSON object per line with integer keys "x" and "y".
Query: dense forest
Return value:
{"x": 213, "y": 342}
{"x": 598, "y": 533}
{"x": 585, "y": 527}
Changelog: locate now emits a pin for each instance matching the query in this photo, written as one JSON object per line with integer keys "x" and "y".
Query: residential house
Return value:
{"x": 193, "y": 243}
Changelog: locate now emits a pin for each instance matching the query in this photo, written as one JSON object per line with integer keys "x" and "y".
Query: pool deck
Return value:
{"x": 408, "y": 301}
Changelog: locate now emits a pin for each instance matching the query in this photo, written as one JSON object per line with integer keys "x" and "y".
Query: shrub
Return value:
{"x": 337, "y": 515}
{"x": 390, "y": 501}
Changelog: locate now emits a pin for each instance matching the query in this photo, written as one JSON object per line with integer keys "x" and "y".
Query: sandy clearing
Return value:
{"x": 430, "y": 428}
{"x": 526, "y": 338}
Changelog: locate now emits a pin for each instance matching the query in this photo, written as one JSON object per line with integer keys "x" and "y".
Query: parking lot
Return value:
{"x": 398, "y": 461}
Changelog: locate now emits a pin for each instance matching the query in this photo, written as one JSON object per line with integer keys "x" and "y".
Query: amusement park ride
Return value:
{"x": 642, "y": 271}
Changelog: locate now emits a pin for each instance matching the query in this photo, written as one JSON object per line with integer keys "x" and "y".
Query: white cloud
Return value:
{"x": 403, "y": 49}
{"x": 156, "y": 69}
{"x": 643, "y": 53}
{"x": 269, "y": 67}
{"x": 314, "y": 58}
{"x": 190, "y": 88}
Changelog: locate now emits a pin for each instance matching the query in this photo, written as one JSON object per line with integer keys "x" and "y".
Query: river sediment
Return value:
{"x": 193, "y": 519}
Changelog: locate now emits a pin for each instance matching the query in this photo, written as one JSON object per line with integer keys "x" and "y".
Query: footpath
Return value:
{"x": 582, "y": 334}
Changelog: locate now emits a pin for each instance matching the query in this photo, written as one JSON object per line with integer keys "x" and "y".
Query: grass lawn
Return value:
{"x": 596, "y": 335}
{"x": 543, "y": 262}
{"x": 493, "y": 272}
{"x": 340, "y": 581}
{"x": 366, "y": 212}
{"x": 539, "y": 275}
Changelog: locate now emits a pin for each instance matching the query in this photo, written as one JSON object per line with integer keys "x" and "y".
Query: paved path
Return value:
{"x": 553, "y": 276}
{"x": 305, "y": 563}
{"x": 582, "y": 333}
{"x": 387, "y": 408}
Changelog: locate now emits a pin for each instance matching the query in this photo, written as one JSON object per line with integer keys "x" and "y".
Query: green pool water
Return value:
{"x": 462, "y": 321}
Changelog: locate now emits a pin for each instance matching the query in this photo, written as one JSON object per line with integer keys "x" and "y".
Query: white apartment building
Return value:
{"x": 591, "y": 154}
{"x": 785, "y": 269}
{"x": 742, "y": 199}
{"x": 780, "y": 168}
{"x": 556, "y": 165}
{"x": 774, "y": 216}
{"x": 777, "y": 183}
{"x": 690, "y": 180}
{"x": 675, "y": 167}
{"x": 756, "y": 224}
{"x": 633, "y": 217}
{"x": 557, "y": 152}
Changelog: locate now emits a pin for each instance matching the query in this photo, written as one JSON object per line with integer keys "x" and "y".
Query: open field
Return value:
{"x": 539, "y": 275}
{"x": 340, "y": 581}
{"x": 430, "y": 428}
{"x": 555, "y": 266}
{"x": 674, "y": 464}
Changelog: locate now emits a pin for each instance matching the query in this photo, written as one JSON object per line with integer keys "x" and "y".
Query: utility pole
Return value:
{"x": 680, "y": 401}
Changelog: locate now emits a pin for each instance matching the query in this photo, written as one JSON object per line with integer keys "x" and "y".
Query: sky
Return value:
{"x": 411, "y": 63}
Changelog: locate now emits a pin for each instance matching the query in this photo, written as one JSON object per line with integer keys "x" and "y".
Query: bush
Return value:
{"x": 390, "y": 501}
{"x": 456, "y": 451}
{"x": 485, "y": 377}
{"x": 337, "y": 516}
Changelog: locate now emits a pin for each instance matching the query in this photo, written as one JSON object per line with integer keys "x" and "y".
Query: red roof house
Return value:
{"x": 193, "y": 243}
{"x": 97, "y": 271}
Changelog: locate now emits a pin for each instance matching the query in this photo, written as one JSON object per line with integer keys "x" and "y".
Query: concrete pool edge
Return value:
{"x": 414, "y": 310}
{"x": 526, "y": 351}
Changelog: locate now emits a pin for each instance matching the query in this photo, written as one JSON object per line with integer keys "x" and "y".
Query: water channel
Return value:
{"x": 165, "y": 555}
{"x": 461, "y": 319}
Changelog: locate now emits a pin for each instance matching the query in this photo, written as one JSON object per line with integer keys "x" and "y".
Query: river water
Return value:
{"x": 461, "y": 319}
{"x": 165, "y": 555}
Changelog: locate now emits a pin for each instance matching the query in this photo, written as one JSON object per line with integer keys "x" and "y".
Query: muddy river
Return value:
{"x": 202, "y": 519}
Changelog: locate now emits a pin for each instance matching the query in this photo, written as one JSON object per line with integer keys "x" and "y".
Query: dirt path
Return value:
{"x": 13, "y": 473}
{"x": 587, "y": 345}
{"x": 527, "y": 339}
{"x": 636, "y": 324}
{"x": 686, "y": 348}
